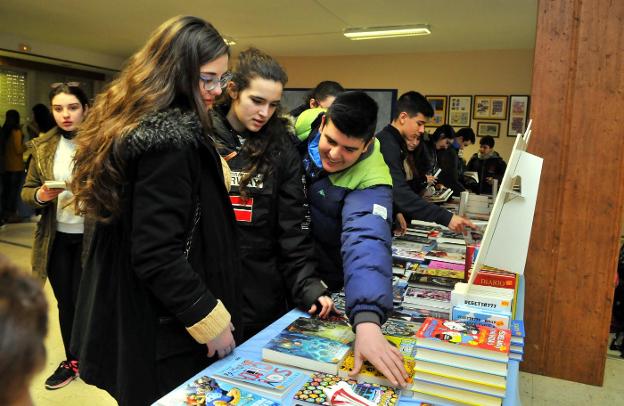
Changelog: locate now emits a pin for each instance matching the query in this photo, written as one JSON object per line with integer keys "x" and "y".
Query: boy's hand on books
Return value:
{"x": 459, "y": 223}
{"x": 223, "y": 344}
{"x": 324, "y": 305}
{"x": 372, "y": 346}
{"x": 400, "y": 225}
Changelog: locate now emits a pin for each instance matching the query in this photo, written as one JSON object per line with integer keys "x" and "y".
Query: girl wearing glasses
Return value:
{"x": 158, "y": 300}
{"x": 267, "y": 195}
{"x": 58, "y": 247}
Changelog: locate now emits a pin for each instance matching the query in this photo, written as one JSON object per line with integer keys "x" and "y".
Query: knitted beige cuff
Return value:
{"x": 212, "y": 325}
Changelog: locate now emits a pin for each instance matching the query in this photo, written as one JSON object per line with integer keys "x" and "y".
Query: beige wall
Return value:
{"x": 458, "y": 73}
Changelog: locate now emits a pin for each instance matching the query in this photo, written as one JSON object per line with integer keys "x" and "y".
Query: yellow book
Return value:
{"x": 368, "y": 373}
{"x": 446, "y": 371}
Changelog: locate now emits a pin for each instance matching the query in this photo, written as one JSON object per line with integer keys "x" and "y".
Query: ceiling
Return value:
{"x": 280, "y": 27}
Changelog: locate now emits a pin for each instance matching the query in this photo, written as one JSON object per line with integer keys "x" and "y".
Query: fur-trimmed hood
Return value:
{"x": 172, "y": 128}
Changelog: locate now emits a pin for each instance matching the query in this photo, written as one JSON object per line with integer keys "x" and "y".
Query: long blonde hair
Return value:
{"x": 163, "y": 74}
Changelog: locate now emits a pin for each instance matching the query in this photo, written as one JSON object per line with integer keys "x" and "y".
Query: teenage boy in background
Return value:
{"x": 452, "y": 163}
{"x": 488, "y": 165}
{"x": 350, "y": 197}
{"x": 407, "y": 127}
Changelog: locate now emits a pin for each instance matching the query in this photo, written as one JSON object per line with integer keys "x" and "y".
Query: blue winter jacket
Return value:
{"x": 351, "y": 215}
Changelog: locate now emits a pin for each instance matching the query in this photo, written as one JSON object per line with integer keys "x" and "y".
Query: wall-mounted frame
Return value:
{"x": 459, "y": 111}
{"x": 518, "y": 114}
{"x": 385, "y": 98}
{"x": 490, "y": 108}
{"x": 439, "y": 110}
{"x": 485, "y": 128}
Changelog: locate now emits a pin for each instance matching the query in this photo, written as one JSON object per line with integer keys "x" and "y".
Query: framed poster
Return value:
{"x": 490, "y": 108}
{"x": 460, "y": 111}
{"x": 439, "y": 111}
{"x": 518, "y": 114}
{"x": 485, "y": 128}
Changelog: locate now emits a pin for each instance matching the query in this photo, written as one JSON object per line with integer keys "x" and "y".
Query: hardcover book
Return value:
{"x": 312, "y": 391}
{"x": 260, "y": 377}
{"x": 207, "y": 391}
{"x": 465, "y": 339}
{"x": 310, "y": 344}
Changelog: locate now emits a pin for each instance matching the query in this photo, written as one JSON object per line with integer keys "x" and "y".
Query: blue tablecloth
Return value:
{"x": 252, "y": 349}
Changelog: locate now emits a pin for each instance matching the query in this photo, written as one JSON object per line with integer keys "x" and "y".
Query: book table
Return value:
{"x": 252, "y": 349}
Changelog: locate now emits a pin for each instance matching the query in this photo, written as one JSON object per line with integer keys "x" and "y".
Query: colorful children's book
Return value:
{"x": 312, "y": 391}
{"x": 207, "y": 391}
{"x": 465, "y": 339}
{"x": 310, "y": 344}
{"x": 400, "y": 328}
{"x": 368, "y": 373}
{"x": 482, "y": 317}
{"x": 517, "y": 332}
{"x": 437, "y": 282}
{"x": 259, "y": 377}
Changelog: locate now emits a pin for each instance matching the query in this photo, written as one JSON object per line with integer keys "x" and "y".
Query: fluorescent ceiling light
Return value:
{"x": 387, "y": 32}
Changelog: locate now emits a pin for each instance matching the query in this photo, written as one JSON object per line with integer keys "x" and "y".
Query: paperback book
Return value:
{"x": 313, "y": 390}
{"x": 465, "y": 339}
{"x": 368, "y": 373}
{"x": 310, "y": 344}
{"x": 207, "y": 391}
{"x": 259, "y": 377}
{"x": 437, "y": 282}
{"x": 480, "y": 317}
{"x": 444, "y": 256}
{"x": 431, "y": 297}
{"x": 496, "y": 300}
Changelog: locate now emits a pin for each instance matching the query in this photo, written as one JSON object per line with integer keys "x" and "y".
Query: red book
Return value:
{"x": 465, "y": 339}
{"x": 497, "y": 279}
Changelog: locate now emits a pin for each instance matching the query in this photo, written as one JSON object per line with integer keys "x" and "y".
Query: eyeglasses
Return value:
{"x": 211, "y": 83}
{"x": 70, "y": 84}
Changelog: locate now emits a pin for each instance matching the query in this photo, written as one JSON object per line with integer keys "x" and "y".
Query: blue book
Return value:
{"x": 259, "y": 376}
{"x": 207, "y": 391}
{"x": 481, "y": 317}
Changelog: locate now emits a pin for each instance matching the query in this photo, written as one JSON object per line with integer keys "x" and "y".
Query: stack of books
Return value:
{"x": 461, "y": 362}
{"x": 516, "y": 351}
{"x": 484, "y": 305}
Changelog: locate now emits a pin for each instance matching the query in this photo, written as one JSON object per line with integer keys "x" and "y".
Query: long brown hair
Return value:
{"x": 252, "y": 64}
{"x": 163, "y": 74}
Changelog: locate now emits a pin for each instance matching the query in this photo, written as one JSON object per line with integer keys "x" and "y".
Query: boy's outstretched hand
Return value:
{"x": 372, "y": 346}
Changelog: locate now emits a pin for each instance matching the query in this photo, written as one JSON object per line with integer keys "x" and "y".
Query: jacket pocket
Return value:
{"x": 173, "y": 339}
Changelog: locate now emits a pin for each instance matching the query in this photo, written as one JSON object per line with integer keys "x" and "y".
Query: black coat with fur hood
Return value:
{"x": 276, "y": 249}
{"x": 162, "y": 278}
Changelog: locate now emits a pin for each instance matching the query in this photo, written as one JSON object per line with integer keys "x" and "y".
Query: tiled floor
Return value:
{"x": 535, "y": 390}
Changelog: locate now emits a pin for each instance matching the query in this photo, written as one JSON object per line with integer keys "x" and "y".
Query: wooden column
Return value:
{"x": 577, "y": 110}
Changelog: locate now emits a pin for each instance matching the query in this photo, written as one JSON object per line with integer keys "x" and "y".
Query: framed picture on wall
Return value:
{"x": 486, "y": 128}
{"x": 518, "y": 114}
{"x": 490, "y": 108}
{"x": 460, "y": 111}
{"x": 439, "y": 110}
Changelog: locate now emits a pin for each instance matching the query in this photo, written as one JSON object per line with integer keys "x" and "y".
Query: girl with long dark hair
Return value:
{"x": 159, "y": 291}
{"x": 267, "y": 194}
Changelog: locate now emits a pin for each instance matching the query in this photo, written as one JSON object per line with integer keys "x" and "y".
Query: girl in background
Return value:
{"x": 58, "y": 247}
{"x": 12, "y": 138}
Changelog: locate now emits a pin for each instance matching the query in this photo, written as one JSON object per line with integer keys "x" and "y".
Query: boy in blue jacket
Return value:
{"x": 350, "y": 198}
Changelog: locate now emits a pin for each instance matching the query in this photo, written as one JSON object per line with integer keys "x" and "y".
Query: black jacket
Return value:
{"x": 492, "y": 167}
{"x": 157, "y": 268}
{"x": 275, "y": 247}
{"x": 451, "y": 165}
{"x": 406, "y": 201}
